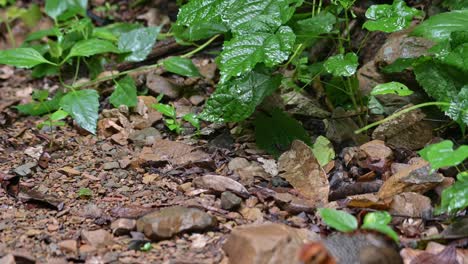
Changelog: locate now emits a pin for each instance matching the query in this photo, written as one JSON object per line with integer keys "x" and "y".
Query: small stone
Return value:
{"x": 376, "y": 156}
{"x": 123, "y": 226}
{"x": 69, "y": 171}
{"x": 196, "y": 99}
{"x": 410, "y": 204}
{"x": 97, "y": 238}
{"x": 252, "y": 214}
{"x": 230, "y": 201}
{"x": 167, "y": 222}
{"x": 238, "y": 163}
{"x": 145, "y": 137}
{"x": 111, "y": 165}
{"x": 68, "y": 246}
{"x": 52, "y": 227}
{"x": 220, "y": 184}
{"x": 25, "y": 169}
{"x": 160, "y": 85}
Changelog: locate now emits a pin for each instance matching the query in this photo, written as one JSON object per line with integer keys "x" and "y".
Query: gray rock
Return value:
{"x": 230, "y": 201}
{"x": 25, "y": 169}
{"x": 145, "y": 137}
{"x": 219, "y": 184}
{"x": 111, "y": 165}
{"x": 160, "y": 85}
{"x": 97, "y": 238}
{"x": 167, "y": 222}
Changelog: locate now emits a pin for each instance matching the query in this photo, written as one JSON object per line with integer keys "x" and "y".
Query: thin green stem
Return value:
{"x": 10, "y": 34}
{"x": 298, "y": 50}
{"x": 75, "y": 77}
{"x": 201, "y": 47}
{"x": 398, "y": 114}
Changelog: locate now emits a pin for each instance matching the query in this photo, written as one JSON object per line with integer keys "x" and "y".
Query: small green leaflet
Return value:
{"x": 91, "y": 47}
{"x": 58, "y": 115}
{"x": 399, "y": 65}
{"x": 85, "y": 192}
{"x": 391, "y": 88}
{"x": 237, "y": 99}
{"x": 323, "y": 150}
{"x": 342, "y": 65}
{"x": 339, "y": 220}
{"x": 165, "y": 109}
{"x": 139, "y": 42}
{"x": 22, "y": 57}
{"x": 375, "y": 107}
{"x": 40, "y": 95}
{"x": 40, "y": 107}
{"x": 181, "y": 66}
{"x": 274, "y": 132}
{"x": 458, "y": 57}
{"x": 83, "y": 106}
{"x": 125, "y": 93}
{"x": 440, "y": 26}
{"x": 55, "y": 8}
{"x": 442, "y": 154}
{"x": 390, "y": 18}
{"x": 379, "y": 221}
{"x": 455, "y": 197}
{"x": 242, "y": 53}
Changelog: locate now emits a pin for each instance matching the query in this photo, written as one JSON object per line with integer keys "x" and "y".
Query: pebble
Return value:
{"x": 230, "y": 201}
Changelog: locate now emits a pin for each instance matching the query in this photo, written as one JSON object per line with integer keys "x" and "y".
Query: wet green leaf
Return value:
{"x": 22, "y": 58}
{"x": 442, "y": 154}
{"x": 56, "y": 8}
{"x": 339, "y": 220}
{"x": 91, "y": 47}
{"x": 125, "y": 93}
{"x": 379, "y": 221}
{"x": 181, "y": 66}
{"x": 44, "y": 106}
{"x": 83, "y": 106}
{"x": 440, "y": 26}
{"x": 237, "y": 99}
{"x": 390, "y": 18}
{"x": 139, "y": 42}
{"x": 391, "y": 88}
{"x": 165, "y": 109}
{"x": 323, "y": 150}
{"x": 455, "y": 197}
{"x": 342, "y": 65}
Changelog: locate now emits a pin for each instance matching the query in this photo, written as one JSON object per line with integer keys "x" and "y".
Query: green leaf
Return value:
{"x": 22, "y": 57}
{"x": 390, "y": 18}
{"x": 339, "y": 220}
{"x": 391, "y": 88}
{"x": 40, "y": 95}
{"x": 42, "y": 107}
{"x": 91, "y": 47}
{"x": 439, "y": 27}
{"x": 125, "y": 93}
{"x": 455, "y": 197}
{"x": 323, "y": 150}
{"x": 242, "y": 53}
{"x": 442, "y": 154}
{"x": 274, "y": 132}
{"x": 399, "y": 65}
{"x": 139, "y": 42}
{"x": 455, "y": 4}
{"x": 385, "y": 229}
{"x": 165, "y": 109}
{"x": 346, "y": 4}
{"x": 237, "y": 99}
{"x": 458, "y": 57}
{"x": 181, "y": 66}
{"x": 83, "y": 106}
{"x": 458, "y": 109}
{"x": 342, "y": 65}
{"x": 58, "y": 115}
{"x": 312, "y": 27}
{"x": 375, "y": 107}
{"x": 55, "y": 8}
{"x": 36, "y": 35}
{"x": 192, "y": 119}
{"x": 439, "y": 81}
{"x": 85, "y": 192}
{"x": 32, "y": 15}
{"x": 242, "y": 15}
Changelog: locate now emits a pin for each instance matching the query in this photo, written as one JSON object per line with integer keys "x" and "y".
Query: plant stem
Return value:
{"x": 10, "y": 34}
{"x": 143, "y": 68}
{"x": 399, "y": 113}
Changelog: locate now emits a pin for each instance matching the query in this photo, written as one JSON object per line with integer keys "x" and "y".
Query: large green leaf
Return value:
{"x": 181, "y": 66}
{"x": 440, "y": 26}
{"x": 245, "y": 16}
{"x": 274, "y": 132}
{"x": 22, "y": 57}
{"x": 438, "y": 80}
{"x": 237, "y": 99}
{"x": 83, "y": 106}
{"x": 312, "y": 27}
{"x": 458, "y": 109}
{"x": 339, "y": 220}
{"x": 242, "y": 53}
{"x": 342, "y": 65}
{"x": 55, "y": 8}
{"x": 455, "y": 197}
{"x": 458, "y": 57}
{"x": 391, "y": 88}
{"x": 442, "y": 154}
{"x": 125, "y": 93}
{"x": 91, "y": 47}
{"x": 139, "y": 42}
{"x": 389, "y": 18}
{"x": 455, "y": 4}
